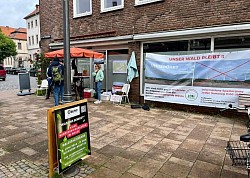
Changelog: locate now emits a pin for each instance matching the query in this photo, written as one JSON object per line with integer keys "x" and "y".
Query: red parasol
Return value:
{"x": 75, "y": 53}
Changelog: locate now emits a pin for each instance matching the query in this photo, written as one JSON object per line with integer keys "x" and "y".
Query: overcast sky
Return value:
{"x": 12, "y": 12}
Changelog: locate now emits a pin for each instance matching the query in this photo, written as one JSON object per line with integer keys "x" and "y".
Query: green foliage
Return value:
{"x": 40, "y": 64}
{"x": 7, "y": 47}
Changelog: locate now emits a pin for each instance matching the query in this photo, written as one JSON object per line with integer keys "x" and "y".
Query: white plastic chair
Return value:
{"x": 43, "y": 86}
{"x": 125, "y": 91}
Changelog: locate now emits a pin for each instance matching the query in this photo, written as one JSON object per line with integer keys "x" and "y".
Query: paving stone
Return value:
{"x": 186, "y": 154}
{"x": 128, "y": 175}
{"x": 119, "y": 164}
{"x": 193, "y": 145}
{"x": 104, "y": 172}
{"x": 203, "y": 169}
{"x": 145, "y": 168}
{"x": 132, "y": 154}
{"x": 144, "y": 145}
{"x": 28, "y": 151}
{"x": 175, "y": 170}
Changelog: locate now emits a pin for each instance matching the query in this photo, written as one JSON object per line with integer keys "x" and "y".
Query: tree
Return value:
{"x": 7, "y": 47}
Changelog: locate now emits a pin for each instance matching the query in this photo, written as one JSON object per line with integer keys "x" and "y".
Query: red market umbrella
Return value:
{"x": 75, "y": 53}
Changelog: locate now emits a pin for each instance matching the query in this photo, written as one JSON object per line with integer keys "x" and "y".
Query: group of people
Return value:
{"x": 55, "y": 78}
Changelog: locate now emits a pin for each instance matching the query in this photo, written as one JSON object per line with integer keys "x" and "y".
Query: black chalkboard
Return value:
{"x": 24, "y": 81}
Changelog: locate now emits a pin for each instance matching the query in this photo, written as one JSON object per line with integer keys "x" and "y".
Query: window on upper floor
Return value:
{"x": 141, "y": 2}
{"x": 110, "y": 5}
{"x": 28, "y": 25}
{"x": 37, "y": 40}
{"x": 29, "y": 41}
{"x": 32, "y": 40}
{"x": 36, "y": 23}
{"x": 82, "y": 7}
{"x": 19, "y": 45}
{"x": 31, "y": 24}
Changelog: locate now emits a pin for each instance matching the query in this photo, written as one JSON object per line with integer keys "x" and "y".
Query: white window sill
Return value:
{"x": 146, "y": 2}
{"x": 112, "y": 9}
{"x": 82, "y": 15}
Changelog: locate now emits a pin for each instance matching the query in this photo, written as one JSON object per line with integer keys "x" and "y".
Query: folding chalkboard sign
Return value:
{"x": 24, "y": 84}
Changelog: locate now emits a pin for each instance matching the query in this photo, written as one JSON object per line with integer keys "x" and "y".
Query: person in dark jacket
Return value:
{"x": 58, "y": 85}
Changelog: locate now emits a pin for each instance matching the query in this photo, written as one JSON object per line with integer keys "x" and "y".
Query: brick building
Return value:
{"x": 118, "y": 27}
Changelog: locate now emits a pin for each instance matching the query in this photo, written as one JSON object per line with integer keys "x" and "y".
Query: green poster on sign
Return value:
{"x": 74, "y": 149}
{"x": 72, "y": 134}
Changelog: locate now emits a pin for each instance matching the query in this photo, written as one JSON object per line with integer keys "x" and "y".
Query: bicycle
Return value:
{"x": 239, "y": 151}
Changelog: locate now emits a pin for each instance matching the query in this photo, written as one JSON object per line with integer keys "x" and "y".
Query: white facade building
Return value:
{"x": 33, "y": 32}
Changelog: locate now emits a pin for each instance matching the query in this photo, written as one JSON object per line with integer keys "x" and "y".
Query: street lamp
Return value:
{"x": 66, "y": 44}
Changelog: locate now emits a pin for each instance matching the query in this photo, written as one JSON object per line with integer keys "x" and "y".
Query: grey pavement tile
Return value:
{"x": 12, "y": 157}
{"x": 175, "y": 170}
{"x": 161, "y": 175}
{"x": 28, "y": 151}
{"x": 200, "y": 132}
{"x": 146, "y": 168}
{"x": 211, "y": 157}
{"x": 204, "y": 169}
{"x": 159, "y": 155}
{"x": 144, "y": 145}
{"x": 186, "y": 154}
{"x": 36, "y": 139}
{"x": 104, "y": 172}
{"x": 132, "y": 154}
{"x": 119, "y": 164}
{"x": 231, "y": 174}
{"x": 176, "y": 136}
{"x": 128, "y": 175}
{"x": 168, "y": 145}
{"x": 110, "y": 151}
{"x": 193, "y": 145}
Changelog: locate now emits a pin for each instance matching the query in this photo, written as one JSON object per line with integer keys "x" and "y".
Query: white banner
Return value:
{"x": 214, "y": 79}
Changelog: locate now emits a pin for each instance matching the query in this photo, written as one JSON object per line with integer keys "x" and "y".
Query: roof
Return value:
{"x": 7, "y": 30}
{"x": 14, "y": 33}
{"x": 33, "y": 13}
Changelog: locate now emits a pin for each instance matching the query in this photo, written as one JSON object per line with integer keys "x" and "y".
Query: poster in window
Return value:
{"x": 120, "y": 67}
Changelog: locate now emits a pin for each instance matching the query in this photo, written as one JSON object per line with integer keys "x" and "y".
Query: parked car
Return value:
{"x": 22, "y": 70}
{"x": 2, "y": 73}
{"x": 32, "y": 72}
{"x": 13, "y": 71}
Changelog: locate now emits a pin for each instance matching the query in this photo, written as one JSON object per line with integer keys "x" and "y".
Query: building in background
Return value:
{"x": 119, "y": 27}
{"x": 33, "y": 32}
{"x": 19, "y": 36}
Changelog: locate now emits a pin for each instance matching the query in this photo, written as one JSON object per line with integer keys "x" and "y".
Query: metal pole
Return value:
{"x": 66, "y": 44}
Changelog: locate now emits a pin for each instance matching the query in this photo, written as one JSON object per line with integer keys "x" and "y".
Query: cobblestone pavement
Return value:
{"x": 125, "y": 142}
{"x": 12, "y": 82}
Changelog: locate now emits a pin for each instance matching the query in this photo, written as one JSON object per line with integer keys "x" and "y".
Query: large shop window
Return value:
{"x": 183, "y": 47}
{"x": 82, "y": 8}
{"x": 227, "y": 44}
{"x": 141, "y": 2}
{"x": 110, "y": 5}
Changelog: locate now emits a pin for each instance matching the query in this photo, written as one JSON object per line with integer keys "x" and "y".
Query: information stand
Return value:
{"x": 68, "y": 135}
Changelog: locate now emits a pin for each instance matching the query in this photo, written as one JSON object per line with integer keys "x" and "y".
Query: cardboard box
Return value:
{"x": 105, "y": 97}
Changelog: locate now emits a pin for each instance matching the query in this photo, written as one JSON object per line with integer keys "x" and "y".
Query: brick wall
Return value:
{"x": 153, "y": 17}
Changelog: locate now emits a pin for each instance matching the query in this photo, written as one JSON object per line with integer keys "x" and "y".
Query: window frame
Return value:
{"x": 103, "y": 9}
{"x": 19, "y": 45}
{"x": 75, "y": 15}
{"x": 138, "y": 2}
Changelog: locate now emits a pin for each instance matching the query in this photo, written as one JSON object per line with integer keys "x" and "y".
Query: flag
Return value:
{"x": 132, "y": 68}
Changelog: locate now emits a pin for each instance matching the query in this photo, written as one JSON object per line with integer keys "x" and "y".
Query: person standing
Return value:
{"x": 98, "y": 76}
{"x": 56, "y": 71}
{"x": 50, "y": 83}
